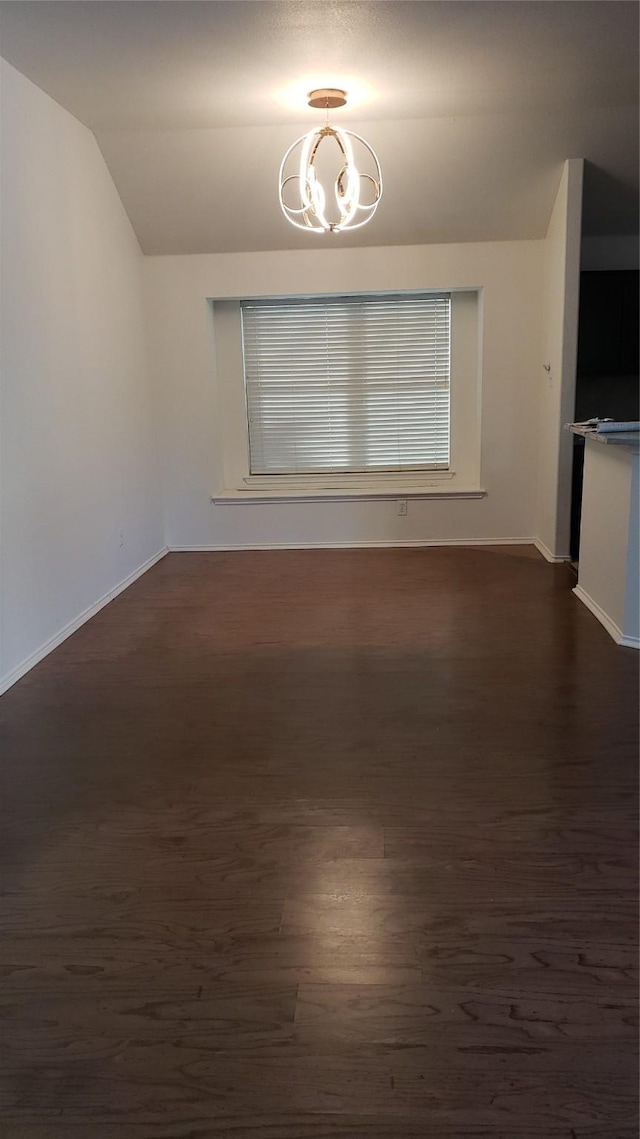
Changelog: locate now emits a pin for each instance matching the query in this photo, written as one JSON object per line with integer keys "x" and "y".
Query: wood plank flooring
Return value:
{"x": 315, "y": 844}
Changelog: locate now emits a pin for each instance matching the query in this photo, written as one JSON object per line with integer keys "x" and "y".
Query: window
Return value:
{"x": 396, "y": 412}
{"x": 347, "y": 384}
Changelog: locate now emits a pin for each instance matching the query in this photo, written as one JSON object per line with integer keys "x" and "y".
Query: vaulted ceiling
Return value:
{"x": 472, "y": 107}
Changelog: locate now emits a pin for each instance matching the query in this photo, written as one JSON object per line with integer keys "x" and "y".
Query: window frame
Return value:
{"x": 462, "y": 479}
{"x": 361, "y": 408}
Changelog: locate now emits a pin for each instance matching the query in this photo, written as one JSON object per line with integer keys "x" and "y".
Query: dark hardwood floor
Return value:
{"x": 324, "y": 844}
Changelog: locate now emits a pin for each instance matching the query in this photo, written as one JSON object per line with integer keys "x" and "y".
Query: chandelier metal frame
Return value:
{"x": 311, "y": 214}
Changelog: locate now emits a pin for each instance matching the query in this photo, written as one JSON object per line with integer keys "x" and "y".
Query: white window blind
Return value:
{"x": 347, "y": 384}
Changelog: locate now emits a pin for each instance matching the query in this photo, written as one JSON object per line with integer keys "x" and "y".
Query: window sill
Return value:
{"x": 230, "y": 497}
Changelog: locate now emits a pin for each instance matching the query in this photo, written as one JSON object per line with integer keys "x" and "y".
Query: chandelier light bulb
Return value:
{"x": 303, "y": 197}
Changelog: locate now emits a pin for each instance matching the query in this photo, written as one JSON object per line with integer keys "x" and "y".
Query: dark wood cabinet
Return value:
{"x": 607, "y": 372}
{"x": 608, "y": 330}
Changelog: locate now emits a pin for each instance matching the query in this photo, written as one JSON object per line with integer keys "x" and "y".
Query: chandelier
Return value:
{"x": 352, "y": 197}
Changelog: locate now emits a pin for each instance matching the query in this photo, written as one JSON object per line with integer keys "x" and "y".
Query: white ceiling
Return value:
{"x": 471, "y": 105}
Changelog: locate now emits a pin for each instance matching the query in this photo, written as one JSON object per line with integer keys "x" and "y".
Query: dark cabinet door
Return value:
{"x": 608, "y": 330}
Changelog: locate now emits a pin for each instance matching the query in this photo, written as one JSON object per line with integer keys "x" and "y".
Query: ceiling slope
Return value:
{"x": 472, "y": 107}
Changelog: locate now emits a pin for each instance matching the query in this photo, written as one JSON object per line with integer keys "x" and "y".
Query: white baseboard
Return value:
{"x": 368, "y": 545}
{"x": 546, "y": 552}
{"x": 52, "y": 643}
{"x": 613, "y": 630}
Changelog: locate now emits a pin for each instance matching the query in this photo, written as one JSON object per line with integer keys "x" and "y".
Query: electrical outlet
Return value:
{"x": 402, "y": 507}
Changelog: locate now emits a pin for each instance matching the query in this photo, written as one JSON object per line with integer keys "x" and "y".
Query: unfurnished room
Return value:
{"x": 319, "y": 587}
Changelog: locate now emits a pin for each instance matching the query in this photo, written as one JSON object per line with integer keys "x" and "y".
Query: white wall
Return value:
{"x": 183, "y": 360}
{"x": 78, "y": 444}
{"x": 608, "y": 571}
{"x": 561, "y": 292}
{"x": 632, "y": 592}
